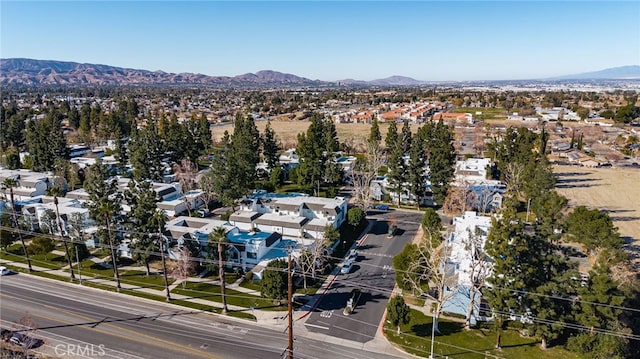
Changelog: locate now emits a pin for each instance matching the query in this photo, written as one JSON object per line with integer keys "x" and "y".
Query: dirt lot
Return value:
{"x": 615, "y": 190}
{"x": 355, "y": 134}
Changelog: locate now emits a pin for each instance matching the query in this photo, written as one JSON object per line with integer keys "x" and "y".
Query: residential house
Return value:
{"x": 29, "y": 183}
{"x": 462, "y": 266}
{"x": 292, "y": 215}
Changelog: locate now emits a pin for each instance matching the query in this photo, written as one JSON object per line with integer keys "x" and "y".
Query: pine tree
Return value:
{"x": 374, "y": 135}
{"x": 141, "y": 198}
{"x": 441, "y": 161}
{"x": 406, "y": 137}
{"x": 145, "y": 153}
{"x": 391, "y": 139}
{"x": 104, "y": 207}
{"x": 270, "y": 147}
{"x": 415, "y": 171}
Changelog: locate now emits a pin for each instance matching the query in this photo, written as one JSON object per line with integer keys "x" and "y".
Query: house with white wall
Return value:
{"x": 294, "y": 216}
{"x": 464, "y": 244}
{"x": 29, "y": 183}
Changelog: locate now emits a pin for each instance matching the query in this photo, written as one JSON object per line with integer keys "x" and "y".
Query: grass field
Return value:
{"x": 455, "y": 342}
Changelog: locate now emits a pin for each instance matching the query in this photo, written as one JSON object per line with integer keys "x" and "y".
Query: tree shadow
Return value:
{"x": 569, "y": 174}
{"x": 625, "y": 218}
{"x": 446, "y": 328}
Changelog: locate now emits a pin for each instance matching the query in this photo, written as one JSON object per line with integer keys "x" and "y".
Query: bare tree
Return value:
{"x": 183, "y": 267}
{"x": 313, "y": 259}
{"x": 186, "y": 173}
{"x": 26, "y": 328}
{"x": 364, "y": 172}
{"x": 430, "y": 261}
{"x": 458, "y": 200}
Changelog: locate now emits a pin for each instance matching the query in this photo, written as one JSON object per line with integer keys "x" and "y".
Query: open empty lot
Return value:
{"x": 614, "y": 190}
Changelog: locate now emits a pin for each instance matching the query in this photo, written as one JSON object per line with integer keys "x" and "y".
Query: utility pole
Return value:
{"x": 164, "y": 244}
{"x": 290, "y": 307}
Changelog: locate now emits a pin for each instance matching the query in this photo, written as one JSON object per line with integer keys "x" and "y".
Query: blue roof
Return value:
{"x": 281, "y": 250}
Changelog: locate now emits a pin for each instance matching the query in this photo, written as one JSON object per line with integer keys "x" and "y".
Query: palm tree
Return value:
{"x": 54, "y": 191}
{"x": 10, "y": 183}
{"x": 159, "y": 219}
{"x": 219, "y": 236}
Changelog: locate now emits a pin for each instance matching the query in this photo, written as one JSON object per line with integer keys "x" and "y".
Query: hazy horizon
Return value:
{"x": 331, "y": 41}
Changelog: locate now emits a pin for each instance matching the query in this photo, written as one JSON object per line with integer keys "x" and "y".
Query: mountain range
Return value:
{"x": 21, "y": 71}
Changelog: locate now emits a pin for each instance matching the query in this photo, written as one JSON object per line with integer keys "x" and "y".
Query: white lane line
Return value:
{"x": 316, "y": 326}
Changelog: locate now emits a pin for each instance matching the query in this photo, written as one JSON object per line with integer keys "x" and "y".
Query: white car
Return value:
{"x": 4, "y": 271}
{"x": 346, "y": 267}
{"x": 352, "y": 256}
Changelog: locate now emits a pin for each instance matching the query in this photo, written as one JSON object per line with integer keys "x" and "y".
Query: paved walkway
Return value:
{"x": 274, "y": 319}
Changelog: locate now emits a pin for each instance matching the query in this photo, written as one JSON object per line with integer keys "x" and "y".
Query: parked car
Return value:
{"x": 4, "y": 271}
{"x": 382, "y": 207}
{"x": 346, "y": 267}
{"x": 24, "y": 341}
{"x": 353, "y": 255}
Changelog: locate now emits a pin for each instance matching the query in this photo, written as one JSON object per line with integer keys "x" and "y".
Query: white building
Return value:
{"x": 295, "y": 216}
{"x": 467, "y": 240}
{"x": 29, "y": 183}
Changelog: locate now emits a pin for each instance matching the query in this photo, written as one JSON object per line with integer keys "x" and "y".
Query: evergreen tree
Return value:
{"x": 274, "y": 280}
{"x": 104, "y": 207}
{"x": 270, "y": 147}
{"x": 141, "y": 198}
{"x": 415, "y": 171}
{"x": 374, "y": 135}
{"x": 406, "y": 137}
{"x": 145, "y": 153}
{"x": 441, "y": 161}
{"x": 391, "y": 140}
{"x": 397, "y": 170}
{"x": 398, "y": 312}
{"x": 317, "y": 164}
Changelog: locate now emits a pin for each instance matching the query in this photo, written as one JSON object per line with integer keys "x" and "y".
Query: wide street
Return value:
{"x": 79, "y": 322}
{"x": 372, "y": 273}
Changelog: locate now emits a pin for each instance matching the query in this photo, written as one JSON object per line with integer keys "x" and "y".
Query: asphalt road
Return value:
{"x": 373, "y": 274}
{"x": 78, "y": 322}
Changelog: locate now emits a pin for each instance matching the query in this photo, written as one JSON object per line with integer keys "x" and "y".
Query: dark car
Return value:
{"x": 24, "y": 341}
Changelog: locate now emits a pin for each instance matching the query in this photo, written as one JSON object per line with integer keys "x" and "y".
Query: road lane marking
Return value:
{"x": 316, "y": 326}
{"x": 134, "y": 335}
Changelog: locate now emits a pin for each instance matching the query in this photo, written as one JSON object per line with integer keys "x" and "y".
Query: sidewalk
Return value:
{"x": 274, "y": 319}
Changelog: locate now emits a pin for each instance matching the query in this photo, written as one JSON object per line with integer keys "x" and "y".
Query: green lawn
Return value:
{"x": 234, "y": 297}
{"x": 455, "y": 342}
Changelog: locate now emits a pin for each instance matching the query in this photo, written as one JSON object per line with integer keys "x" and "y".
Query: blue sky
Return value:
{"x": 364, "y": 40}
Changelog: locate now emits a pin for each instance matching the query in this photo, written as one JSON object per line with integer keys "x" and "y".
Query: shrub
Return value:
{"x": 41, "y": 245}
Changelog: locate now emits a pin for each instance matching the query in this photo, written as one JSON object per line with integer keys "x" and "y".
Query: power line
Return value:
{"x": 209, "y": 261}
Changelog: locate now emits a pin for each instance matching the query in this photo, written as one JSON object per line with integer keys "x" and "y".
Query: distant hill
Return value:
{"x": 48, "y": 72}
{"x": 389, "y": 81}
{"x": 614, "y": 73}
